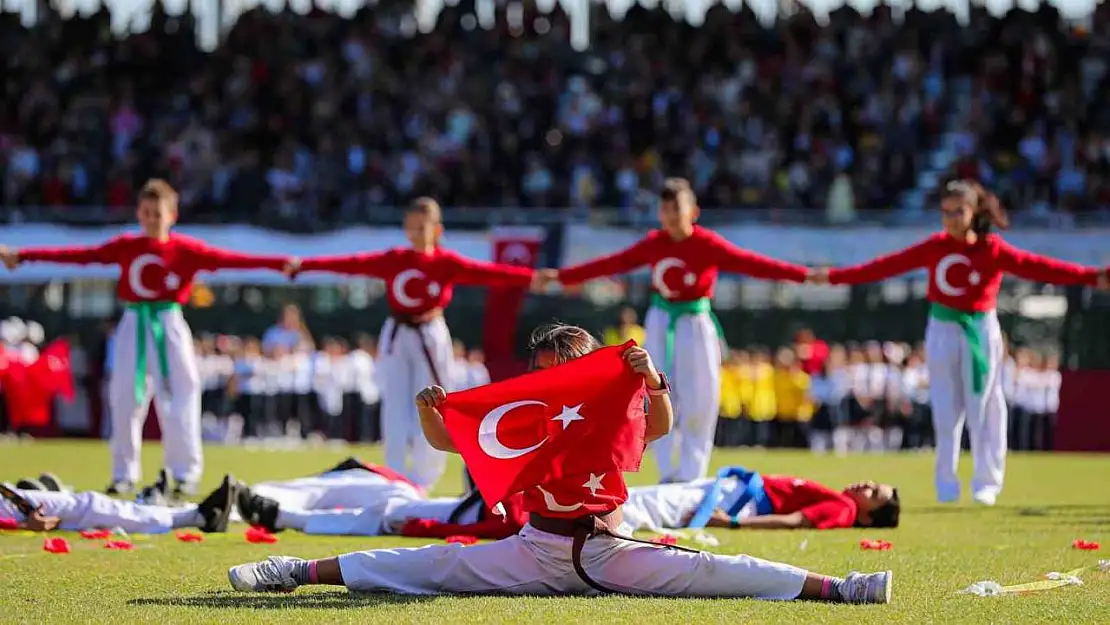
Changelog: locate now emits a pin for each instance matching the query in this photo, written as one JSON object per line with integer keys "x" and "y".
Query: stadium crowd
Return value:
{"x": 304, "y": 121}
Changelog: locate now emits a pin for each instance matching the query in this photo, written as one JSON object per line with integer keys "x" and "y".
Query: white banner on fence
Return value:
{"x": 238, "y": 238}
{"x": 847, "y": 246}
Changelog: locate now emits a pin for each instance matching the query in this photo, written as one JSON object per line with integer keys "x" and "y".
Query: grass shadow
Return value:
{"x": 226, "y": 599}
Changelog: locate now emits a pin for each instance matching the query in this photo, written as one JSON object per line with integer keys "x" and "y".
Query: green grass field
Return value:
{"x": 1049, "y": 502}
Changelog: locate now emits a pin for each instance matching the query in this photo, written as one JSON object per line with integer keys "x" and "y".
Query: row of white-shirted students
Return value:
{"x": 255, "y": 390}
{"x": 867, "y": 398}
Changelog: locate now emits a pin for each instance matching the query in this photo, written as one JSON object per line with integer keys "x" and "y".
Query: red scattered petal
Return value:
{"x": 462, "y": 539}
{"x": 665, "y": 539}
{"x": 189, "y": 537}
{"x": 95, "y": 534}
{"x": 875, "y": 545}
{"x": 55, "y": 545}
{"x": 259, "y": 535}
{"x": 9, "y": 524}
{"x": 1085, "y": 545}
{"x": 119, "y": 545}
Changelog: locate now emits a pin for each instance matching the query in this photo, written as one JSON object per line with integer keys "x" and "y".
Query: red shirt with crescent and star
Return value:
{"x": 822, "y": 506}
{"x": 966, "y": 276}
{"x": 153, "y": 270}
{"x": 686, "y": 270}
{"x": 417, "y": 282}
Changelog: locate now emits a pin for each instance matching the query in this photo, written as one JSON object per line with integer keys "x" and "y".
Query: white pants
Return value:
{"x": 534, "y": 562}
{"x": 695, "y": 390}
{"x": 953, "y": 399}
{"x": 177, "y": 400}
{"x": 339, "y": 503}
{"x": 671, "y": 506}
{"x": 405, "y": 373}
{"x": 90, "y": 510}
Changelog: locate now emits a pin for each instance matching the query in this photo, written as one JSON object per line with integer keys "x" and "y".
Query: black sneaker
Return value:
{"x": 30, "y": 483}
{"x": 120, "y": 487}
{"x": 155, "y": 494}
{"x": 53, "y": 483}
{"x": 151, "y": 496}
{"x": 216, "y": 507}
{"x": 256, "y": 509}
{"x": 347, "y": 465}
{"x": 162, "y": 484}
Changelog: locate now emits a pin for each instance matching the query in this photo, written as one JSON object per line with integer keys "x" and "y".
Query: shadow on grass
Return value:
{"x": 341, "y": 600}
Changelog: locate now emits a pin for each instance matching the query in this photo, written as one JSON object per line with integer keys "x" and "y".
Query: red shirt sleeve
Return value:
{"x": 1042, "y": 268}
{"x": 492, "y": 528}
{"x": 106, "y": 253}
{"x": 470, "y": 271}
{"x": 626, "y": 260}
{"x": 830, "y": 514}
{"x": 209, "y": 258}
{"x": 886, "y": 266}
{"x": 374, "y": 264}
{"x": 733, "y": 259}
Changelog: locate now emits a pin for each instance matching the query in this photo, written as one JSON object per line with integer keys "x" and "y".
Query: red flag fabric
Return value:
{"x": 30, "y": 389}
{"x": 53, "y": 368}
{"x": 520, "y": 246}
{"x": 579, "y": 421}
{"x": 492, "y": 526}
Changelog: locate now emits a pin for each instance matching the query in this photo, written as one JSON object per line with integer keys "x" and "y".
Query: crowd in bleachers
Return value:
{"x": 304, "y": 120}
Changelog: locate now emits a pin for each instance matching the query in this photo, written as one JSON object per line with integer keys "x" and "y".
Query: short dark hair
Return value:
{"x": 159, "y": 191}
{"x": 678, "y": 189}
{"x": 567, "y": 342}
{"x": 887, "y": 514}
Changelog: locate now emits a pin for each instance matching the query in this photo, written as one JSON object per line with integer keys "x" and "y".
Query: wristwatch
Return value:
{"x": 665, "y": 389}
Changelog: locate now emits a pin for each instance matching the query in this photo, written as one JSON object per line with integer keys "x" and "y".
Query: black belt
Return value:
{"x": 585, "y": 527}
{"x": 468, "y": 502}
{"x": 417, "y": 322}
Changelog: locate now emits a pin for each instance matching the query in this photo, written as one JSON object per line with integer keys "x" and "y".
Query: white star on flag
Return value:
{"x": 594, "y": 484}
{"x": 569, "y": 414}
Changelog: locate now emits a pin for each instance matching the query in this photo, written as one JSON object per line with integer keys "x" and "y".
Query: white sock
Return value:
{"x": 187, "y": 517}
{"x": 291, "y": 519}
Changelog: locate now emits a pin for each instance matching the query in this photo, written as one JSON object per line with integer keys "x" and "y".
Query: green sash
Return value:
{"x": 148, "y": 320}
{"x": 969, "y": 323}
{"x": 676, "y": 311}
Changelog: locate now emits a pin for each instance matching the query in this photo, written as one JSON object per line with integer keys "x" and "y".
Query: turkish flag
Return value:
{"x": 518, "y": 246}
{"x": 53, "y": 369}
{"x": 584, "y": 416}
{"x": 30, "y": 389}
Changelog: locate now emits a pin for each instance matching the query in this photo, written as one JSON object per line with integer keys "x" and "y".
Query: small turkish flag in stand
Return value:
{"x": 30, "y": 389}
{"x": 579, "y": 418}
{"x": 511, "y": 246}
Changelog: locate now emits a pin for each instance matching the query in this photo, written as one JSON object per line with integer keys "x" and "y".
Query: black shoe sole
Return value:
{"x": 30, "y": 484}
{"x": 216, "y": 507}
{"x": 347, "y": 465}
{"x": 253, "y": 509}
{"x": 51, "y": 482}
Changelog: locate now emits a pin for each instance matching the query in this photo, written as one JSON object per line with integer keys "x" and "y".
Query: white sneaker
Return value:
{"x": 985, "y": 498}
{"x": 867, "y": 587}
{"x": 274, "y": 574}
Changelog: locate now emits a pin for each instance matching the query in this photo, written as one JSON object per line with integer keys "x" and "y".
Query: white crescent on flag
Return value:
{"x": 135, "y": 275}
{"x": 555, "y": 506}
{"x": 660, "y": 270}
{"x": 400, "y": 281}
{"x": 487, "y": 432}
{"x": 941, "y": 274}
